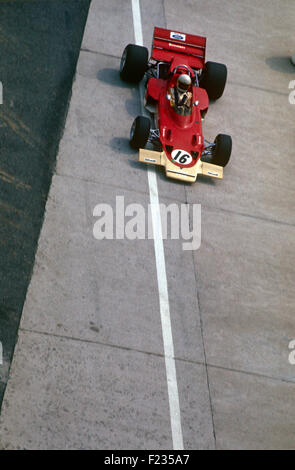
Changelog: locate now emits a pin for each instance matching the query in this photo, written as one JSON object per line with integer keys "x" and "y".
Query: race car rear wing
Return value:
{"x": 167, "y": 44}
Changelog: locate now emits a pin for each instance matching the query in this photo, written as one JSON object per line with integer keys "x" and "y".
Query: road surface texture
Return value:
{"x": 40, "y": 43}
{"x": 89, "y": 365}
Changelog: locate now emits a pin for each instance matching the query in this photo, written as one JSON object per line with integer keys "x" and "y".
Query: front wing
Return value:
{"x": 180, "y": 173}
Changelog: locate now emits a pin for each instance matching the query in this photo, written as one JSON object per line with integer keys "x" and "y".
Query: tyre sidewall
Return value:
{"x": 133, "y": 63}
{"x": 213, "y": 79}
{"x": 222, "y": 151}
{"x": 141, "y": 130}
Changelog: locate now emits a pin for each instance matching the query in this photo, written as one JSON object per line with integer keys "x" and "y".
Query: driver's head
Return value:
{"x": 184, "y": 82}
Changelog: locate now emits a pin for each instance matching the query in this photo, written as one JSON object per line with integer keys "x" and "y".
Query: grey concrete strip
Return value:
{"x": 183, "y": 300}
{"x": 245, "y": 273}
{"x": 252, "y": 413}
{"x": 109, "y": 27}
{"x": 267, "y": 90}
{"x": 195, "y": 406}
{"x": 79, "y": 395}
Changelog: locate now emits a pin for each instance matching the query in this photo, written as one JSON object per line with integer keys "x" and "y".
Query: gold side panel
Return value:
{"x": 150, "y": 156}
{"x": 215, "y": 171}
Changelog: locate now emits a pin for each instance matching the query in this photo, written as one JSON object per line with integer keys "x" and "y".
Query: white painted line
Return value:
{"x": 137, "y": 22}
{"x": 173, "y": 395}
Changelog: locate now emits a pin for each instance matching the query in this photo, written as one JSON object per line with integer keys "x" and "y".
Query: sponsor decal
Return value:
{"x": 176, "y": 45}
{"x": 178, "y": 36}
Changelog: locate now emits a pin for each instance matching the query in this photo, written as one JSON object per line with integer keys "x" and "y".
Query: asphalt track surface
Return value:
{"x": 40, "y": 43}
{"x": 89, "y": 367}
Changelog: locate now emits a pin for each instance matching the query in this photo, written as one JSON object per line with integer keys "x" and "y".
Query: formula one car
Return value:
{"x": 178, "y": 85}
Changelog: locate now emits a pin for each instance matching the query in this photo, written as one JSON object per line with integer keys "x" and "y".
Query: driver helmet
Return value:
{"x": 184, "y": 82}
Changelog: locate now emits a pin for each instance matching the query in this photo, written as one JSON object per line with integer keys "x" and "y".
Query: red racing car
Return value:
{"x": 179, "y": 85}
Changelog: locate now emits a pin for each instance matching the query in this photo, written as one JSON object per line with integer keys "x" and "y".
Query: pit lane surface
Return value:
{"x": 89, "y": 362}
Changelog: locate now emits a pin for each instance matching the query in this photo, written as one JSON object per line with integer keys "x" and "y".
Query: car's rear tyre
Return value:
{"x": 222, "y": 150}
{"x": 134, "y": 63}
{"x": 213, "y": 79}
{"x": 140, "y": 132}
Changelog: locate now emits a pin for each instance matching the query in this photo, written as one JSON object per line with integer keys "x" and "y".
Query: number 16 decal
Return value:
{"x": 181, "y": 157}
